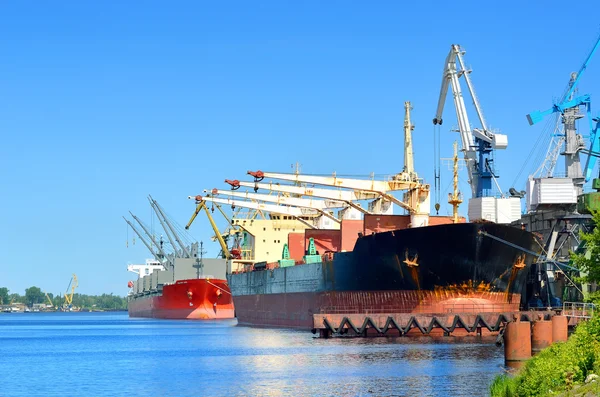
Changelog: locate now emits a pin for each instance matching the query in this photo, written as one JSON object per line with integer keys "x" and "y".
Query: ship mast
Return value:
{"x": 455, "y": 198}
{"x": 409, "y": 167}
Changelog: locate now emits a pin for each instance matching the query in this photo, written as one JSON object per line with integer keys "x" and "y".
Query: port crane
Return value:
{"x": 49, "y": 300}
{"x": 69, "y": 295}
{"x": 569, "y": 108}
{"x": 478, "y": 145}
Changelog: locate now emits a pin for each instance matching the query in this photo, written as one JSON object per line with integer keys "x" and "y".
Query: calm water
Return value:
{"x": 103, "y": 354}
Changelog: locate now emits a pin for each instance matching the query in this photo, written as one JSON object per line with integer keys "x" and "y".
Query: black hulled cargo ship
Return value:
{"x": 450, "y": 268}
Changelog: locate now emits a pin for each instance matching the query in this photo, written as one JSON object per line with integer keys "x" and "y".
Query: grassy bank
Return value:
{"x": 560, "y": 369}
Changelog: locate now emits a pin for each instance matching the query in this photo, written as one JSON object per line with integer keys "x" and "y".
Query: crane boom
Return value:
{"x": 294, "y": 212}
{"x": 581, "y": 70}
{"x": 381, "y": 187}
{"x": 318, "y": 205}
{"x": 347, "y": 196}
{"x": 161, "y": 251}
{"x": 69, "y": 296}
{"x": 568, "y": 107}
{"x": 222, "y": 243}
{"x": 162, "y": 223}
{"x": 183, "y": 247}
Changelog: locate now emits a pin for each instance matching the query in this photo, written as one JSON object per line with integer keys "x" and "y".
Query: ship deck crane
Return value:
{"x": 478, "y": 144}
{"x": 320, "y": 206}
{"x": 159, "y": 210}
{"x": 201, "y": 205}
{"x": 293, "y": 212}
{"x": 347, "y": 196}
{"x": 416, "y": 200}
{"x": 163, "y": 255}
{"x": 162, "y": 222}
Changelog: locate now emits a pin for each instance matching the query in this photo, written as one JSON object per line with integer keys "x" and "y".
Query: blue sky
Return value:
{"x": 103, "y": 103}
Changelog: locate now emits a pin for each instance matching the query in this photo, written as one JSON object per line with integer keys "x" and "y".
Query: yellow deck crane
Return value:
{"x": 202, "y": 206}
{"x": 69, "y": 296}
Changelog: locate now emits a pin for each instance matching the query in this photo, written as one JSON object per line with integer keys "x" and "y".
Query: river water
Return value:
{"x": 109, "y": 354}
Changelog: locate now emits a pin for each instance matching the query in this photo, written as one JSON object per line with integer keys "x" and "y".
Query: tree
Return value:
{"x": 588, "y": 260}
{"x": 4, "y": 299}
{"x": 34, "y": 295}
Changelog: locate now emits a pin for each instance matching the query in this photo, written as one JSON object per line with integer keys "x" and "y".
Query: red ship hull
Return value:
{"x": 197, "y": 299}
{"x": 295, "y": 310}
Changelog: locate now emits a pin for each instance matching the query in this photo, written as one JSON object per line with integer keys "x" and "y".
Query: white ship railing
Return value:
{"x": 578, "y": 309}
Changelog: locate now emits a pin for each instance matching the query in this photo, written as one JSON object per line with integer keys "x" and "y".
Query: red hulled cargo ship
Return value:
{"x": 178, "y": 283}
{"x": 197, "y": 299}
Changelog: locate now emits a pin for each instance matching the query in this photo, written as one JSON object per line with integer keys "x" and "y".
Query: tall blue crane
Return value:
{"x": 568, "y": 107}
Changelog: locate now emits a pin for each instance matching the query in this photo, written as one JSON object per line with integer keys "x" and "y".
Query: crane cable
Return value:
{"x": 436, "y": 165}
{"x": 543, "y": 136}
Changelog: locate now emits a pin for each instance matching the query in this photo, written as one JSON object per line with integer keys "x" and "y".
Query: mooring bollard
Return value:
{"x": 517, "y": 342}
{"x": 541, "y": 335}
{"x": 560, "y": 328}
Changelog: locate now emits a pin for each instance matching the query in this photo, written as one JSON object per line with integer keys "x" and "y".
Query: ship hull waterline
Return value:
{"x": 438, "y": 269}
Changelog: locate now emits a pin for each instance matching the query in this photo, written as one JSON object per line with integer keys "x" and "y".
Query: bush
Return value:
{"x": 556, "y": 368}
